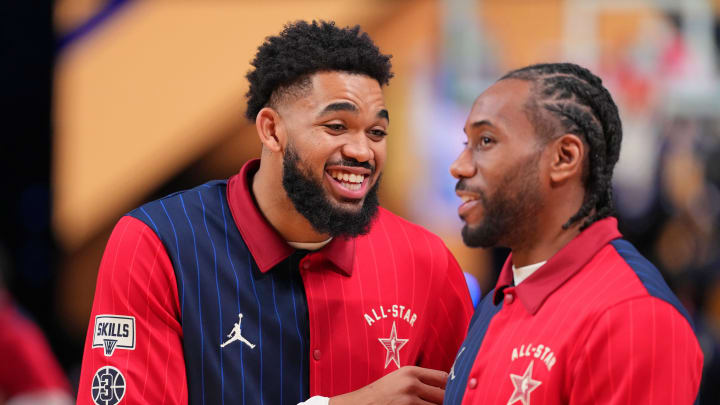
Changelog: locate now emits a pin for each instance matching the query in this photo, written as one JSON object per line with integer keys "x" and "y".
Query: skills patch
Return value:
{"x": 114, "y": 332}
{"x": 108, "y": 386}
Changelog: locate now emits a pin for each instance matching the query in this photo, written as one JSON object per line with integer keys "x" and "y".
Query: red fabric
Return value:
{"x": 136, "y": 279}
{"x": 28, "y": 365}
{"x": 398, "y": 267}
{"x": 592, "y": 335}
{"x": 397, "y": 264}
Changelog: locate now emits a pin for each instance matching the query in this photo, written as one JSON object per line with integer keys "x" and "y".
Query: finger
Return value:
{"x": 436, "y": 378}
{"x": 433, "y": 395}
{"x": 420, "y": 401}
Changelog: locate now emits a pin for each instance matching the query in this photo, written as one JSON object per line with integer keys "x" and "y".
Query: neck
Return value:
{"x": 548, "y": 242}
{"x": 277, "y": 208}
{"x": 549, "y": 236}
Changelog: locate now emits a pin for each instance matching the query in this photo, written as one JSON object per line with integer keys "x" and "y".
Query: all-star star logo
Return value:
{"x": 524, "y": 385}
{"x": 393, "y": 346}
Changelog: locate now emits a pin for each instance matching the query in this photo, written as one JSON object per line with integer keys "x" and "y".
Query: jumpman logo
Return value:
{"x": 236, "y": 334}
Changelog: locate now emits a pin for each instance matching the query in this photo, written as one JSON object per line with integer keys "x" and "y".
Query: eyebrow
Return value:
{"x": 345, "y": 106}
{"x": 384, "y": 114}
{"x": 480, "y": 123}
{"x": 339, "y": 106}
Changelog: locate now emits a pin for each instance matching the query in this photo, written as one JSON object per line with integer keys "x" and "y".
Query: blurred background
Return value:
{"x": 110, "y": 103}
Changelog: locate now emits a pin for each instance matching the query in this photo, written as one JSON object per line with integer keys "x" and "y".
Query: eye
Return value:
{"x": 484, "y": 142}
{"x": 378, "y": 132}
{"x": 335, "y": 127}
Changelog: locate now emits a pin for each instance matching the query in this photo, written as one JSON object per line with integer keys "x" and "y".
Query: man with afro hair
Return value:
{"x": 286, "y": 282}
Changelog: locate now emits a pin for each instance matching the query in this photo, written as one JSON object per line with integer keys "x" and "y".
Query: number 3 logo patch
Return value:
{"x": 108, "y": 386}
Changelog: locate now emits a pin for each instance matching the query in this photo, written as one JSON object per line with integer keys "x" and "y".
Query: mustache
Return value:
{"x": 349, "y": 162}
{"x": 462, "y": 186}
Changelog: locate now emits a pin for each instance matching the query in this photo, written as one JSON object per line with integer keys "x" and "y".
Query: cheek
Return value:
{"x": 316, "y": 152}
{"x": 380, "y": 154}
{"x": 492, "y": 173}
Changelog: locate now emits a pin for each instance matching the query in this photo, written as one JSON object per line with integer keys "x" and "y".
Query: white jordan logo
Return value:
{"x": 236, "y": 334}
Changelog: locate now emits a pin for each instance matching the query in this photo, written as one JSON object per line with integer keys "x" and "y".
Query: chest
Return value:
{"x": 368, "y": 324}
{"x": 525, "y": 357}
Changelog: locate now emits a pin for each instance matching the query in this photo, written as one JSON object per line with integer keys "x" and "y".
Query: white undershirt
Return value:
{"x": 521, "y": 273}
{"x": 309, "y": 245}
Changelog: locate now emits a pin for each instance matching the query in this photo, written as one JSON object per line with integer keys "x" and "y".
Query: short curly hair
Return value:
{"x": 284, "y": 63}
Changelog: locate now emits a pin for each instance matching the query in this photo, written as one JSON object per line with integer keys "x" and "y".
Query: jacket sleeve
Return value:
{"x": 451, "y": 312}
{"x": 639, "y": 351}
{"x": 133, "y": 349}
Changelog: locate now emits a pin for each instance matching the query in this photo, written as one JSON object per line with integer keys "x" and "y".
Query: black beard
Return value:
{"x": 310, "y": 199}
{"x": 510, "y": 213}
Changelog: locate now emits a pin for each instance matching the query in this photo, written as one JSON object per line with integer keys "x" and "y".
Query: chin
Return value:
{"x": 349, "y": 206}
{"x": 477, "y": 235}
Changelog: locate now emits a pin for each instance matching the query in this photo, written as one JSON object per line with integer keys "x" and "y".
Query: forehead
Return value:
{"x": 361, "y": 90}
{"x": 502, "y": 104}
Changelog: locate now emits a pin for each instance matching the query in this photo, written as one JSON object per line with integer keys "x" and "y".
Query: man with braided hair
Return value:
{"x": 577, "y": 316}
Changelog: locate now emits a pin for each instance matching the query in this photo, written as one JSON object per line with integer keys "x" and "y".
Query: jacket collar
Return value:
{"x": 266, "y": 245}
{"x": 567, "y": 262}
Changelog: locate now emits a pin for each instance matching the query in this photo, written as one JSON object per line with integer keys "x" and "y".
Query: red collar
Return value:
{"x": 266, "y": 245}
{"x": 560, "y": 267}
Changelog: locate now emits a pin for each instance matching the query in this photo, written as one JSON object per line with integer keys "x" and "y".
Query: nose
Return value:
{"x": 463, "y": 166}
{"x": 358, "y": 147}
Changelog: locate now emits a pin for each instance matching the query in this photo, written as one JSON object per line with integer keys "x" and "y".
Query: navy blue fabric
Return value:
{"x": 217, "y": 279}
{"x": 649, "y": 275}
{"x": 455, "y": 389}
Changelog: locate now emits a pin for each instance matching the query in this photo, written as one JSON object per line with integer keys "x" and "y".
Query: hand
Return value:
{"x": 407, "y": 385}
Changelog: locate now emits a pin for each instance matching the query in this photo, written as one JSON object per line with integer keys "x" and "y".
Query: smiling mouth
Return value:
{"x": 350, "y": 181}
{"x": 468, "y": 198}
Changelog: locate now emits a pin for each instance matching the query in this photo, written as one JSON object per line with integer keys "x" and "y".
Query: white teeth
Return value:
{"x": 466, "y": 198}
{"x": 350, "y": 178}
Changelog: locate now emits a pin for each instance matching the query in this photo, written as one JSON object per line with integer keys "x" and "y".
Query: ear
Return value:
{"x": 568, "y": 153}
{"x": 270, "y": 129}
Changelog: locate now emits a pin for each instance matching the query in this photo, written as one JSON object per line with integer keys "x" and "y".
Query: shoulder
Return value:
{"x": 618, "y": 273}
{"x": 166, "y": 212}
{"x": 647, "y": 279}
{"x": 627, "y": 299}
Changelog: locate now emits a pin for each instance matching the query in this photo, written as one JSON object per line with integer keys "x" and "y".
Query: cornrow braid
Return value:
{"x": 581, "y": 105}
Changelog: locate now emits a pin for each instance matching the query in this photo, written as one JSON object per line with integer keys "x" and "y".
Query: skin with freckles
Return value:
{"x": 518, "y": 188}
{"x": 338, "y": 125}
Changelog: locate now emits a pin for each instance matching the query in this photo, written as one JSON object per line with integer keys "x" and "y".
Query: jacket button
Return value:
{"x": 317, "y": 354}
{"x": 306, "y": 265}
{"x": 509, "y": 298}
{"x": 472, "y": 383}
